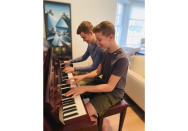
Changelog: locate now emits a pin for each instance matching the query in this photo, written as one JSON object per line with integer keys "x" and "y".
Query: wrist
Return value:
{"x": 84, "y": 89}
{"x": 84, "y": 76}
{"x": 73, "y": 69}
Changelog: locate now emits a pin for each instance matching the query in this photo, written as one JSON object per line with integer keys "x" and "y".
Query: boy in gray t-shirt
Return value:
{"x": 113, "y": 67}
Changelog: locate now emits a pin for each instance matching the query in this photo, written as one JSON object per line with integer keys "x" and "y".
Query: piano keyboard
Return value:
{"x": 72, "y": 107}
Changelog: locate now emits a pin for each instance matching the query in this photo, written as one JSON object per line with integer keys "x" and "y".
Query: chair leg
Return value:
{"x": 122, "y": 117}
{"x": 100, "y": 122}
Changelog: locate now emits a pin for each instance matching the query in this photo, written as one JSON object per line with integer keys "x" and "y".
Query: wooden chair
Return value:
{"x": 121, "y": 108}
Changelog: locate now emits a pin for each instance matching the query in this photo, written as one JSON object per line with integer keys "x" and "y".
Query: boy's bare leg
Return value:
{"x": 106, "y": 125}
{"x": 92, "y": 113}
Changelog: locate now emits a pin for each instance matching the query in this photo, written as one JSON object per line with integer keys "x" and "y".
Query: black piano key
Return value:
{"x": 64, "y": 74}
{"x": 65, "y": 85}
{"x": 64, "y": 81}
{"x": 68, "y": 108}
{"x": 65, "y": 112}
{"x": 67, "y": 104}
{"x": 70, "y": 115}
{"x": 68, "y": 101}
{"x": 63, "y": 91}
{"x": 65, "y": 96}
{"x": 64, "y": 77}
{"x": 62, "y": 65}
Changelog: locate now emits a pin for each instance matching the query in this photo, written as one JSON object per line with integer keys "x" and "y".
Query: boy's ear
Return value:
{"x": 111, "y": 36}
{"x": 90, "y": 32}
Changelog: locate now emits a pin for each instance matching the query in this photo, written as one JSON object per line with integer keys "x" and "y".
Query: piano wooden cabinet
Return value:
{"x": 60, "y": 113}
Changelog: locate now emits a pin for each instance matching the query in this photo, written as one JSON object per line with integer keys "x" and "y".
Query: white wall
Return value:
{"x": 94, "y": 11}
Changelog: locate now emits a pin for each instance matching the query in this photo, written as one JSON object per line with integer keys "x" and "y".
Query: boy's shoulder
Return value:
{"x": 119, "y": 55}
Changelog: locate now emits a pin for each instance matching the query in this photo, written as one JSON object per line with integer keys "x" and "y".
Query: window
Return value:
{"x": 129, "y": 23}
{"x": 136, "y": 26}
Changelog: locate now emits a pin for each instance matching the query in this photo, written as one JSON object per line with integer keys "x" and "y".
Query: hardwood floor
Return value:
{"x": 134, "y": 119}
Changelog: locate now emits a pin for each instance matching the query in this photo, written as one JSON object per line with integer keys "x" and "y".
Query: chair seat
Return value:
{"x": 117, "y": 108}
{"x": 121, "y": 108}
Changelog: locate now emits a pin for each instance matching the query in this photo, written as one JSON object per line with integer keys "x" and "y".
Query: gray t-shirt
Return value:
{"x": 96, "y": 55}
{"x": 115, "y": 63}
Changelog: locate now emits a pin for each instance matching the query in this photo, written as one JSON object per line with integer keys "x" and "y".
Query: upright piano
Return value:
{"x": 62, "y": 113}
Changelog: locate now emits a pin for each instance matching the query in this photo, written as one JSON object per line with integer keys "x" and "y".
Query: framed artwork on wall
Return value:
{"x": 57, "y": 18}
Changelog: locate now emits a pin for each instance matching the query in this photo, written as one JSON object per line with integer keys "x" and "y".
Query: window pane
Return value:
{"x": 119, "y": 9}
{"x": 137, "y": 12}
{"x": 118, "y": 22}
{"x": 118, "y": 33}
{"x": 119, "y": 14}
{"x": 135, "y": 32}
{"x": 136, "y": 27}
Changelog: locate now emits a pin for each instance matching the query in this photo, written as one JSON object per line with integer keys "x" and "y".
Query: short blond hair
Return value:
{"x": 106, "y": 27}
{"x": 85, "y": 27}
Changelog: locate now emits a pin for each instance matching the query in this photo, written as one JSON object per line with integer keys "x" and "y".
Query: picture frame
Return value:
{"x": 57, "y": 16}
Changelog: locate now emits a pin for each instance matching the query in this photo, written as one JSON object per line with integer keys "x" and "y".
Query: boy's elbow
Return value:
{"x": 94, "y": 67}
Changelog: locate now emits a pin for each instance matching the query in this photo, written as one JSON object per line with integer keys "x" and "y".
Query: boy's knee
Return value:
{"x": 90, "y": 108}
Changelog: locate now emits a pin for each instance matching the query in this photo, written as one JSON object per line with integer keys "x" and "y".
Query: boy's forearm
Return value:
{"x": 91, "y": 74}
{"x": 98, "y": 88}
